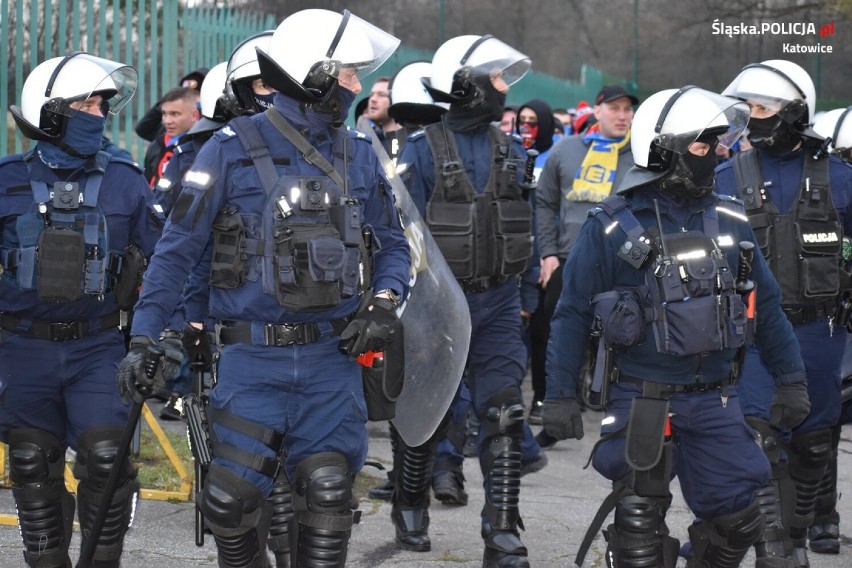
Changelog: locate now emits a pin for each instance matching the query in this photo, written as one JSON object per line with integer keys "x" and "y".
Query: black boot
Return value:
{"x": 824, "y": 533}
{"x": 410, "y": 512}
{"x": 501, "y": 467}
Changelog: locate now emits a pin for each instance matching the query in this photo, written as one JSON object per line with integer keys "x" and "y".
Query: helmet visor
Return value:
{"x": 360, "y": 45}
{"x": 761, "y": 85}
{"x": 115, "y": 82}
{"x": 695, "y": 113}
{"x": 490, "y": 56}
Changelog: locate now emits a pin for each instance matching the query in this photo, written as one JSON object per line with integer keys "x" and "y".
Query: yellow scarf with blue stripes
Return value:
{"x": 593, "y": 180}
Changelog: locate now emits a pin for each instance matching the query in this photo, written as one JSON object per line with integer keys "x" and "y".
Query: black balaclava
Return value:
{"x": 480, "y": 104}
{"x": 773, "y": 135}
{"x": 546, "y": 126}
{"x": 693, "y": 176}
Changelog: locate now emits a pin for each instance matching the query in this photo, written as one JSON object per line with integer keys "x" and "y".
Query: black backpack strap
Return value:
{"x": 311, "y": 154}
{"x": 449, "y": 168}
{"x": 257, "y": 149}
{"x": 749, "y": 179}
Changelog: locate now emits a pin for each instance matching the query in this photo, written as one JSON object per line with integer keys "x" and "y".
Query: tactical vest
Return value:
{"x": 63, "y": 246}
{"x": 481, "y": 235}
{"x": 803, "y": 246}
{"x": 689, "y": 297}
{"x": 309, "y": 241}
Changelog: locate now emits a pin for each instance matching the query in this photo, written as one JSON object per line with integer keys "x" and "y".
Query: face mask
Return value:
{"x": 84, "y": 133}
{"x": 264, "y": 101}
{"x": 773, "y": 135}
{"x": 693, "y": 176}
{"x": 529, "y": 133}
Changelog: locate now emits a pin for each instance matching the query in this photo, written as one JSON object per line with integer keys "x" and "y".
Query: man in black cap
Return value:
{"x": 580, "y": 171}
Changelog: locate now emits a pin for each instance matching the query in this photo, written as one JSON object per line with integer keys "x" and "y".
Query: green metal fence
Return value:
{"x": 164, "y": 40}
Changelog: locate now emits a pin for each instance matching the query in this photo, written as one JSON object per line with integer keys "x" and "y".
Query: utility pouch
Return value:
{"x": 820, "y": 272}
{"x": 622, "y": 317}
{"x": 512, "y": 228}
{"x": 384, "y": 380}
{"x": 229, "y": 265}
{"x": 306, "y": 254}
{"x": 646, "y": 432}
{"x": 61, "y": 262}
{"x": 451, "y": 225}
{"x": 133, "y": 264}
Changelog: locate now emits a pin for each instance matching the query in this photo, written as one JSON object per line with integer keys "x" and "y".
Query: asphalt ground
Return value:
{"x": 557, "y": 504}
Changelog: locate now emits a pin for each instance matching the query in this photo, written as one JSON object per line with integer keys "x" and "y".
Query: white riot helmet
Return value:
{"x": 310, "y": 49}
{"x": 837, "y": 125}
{"x": 780, "y": 86}
{"x": 214, "y": 112}
{"x": 411, "y": 102}
{"x": 463, "y": 61}
{"x": 242, "y": 70}
{"x": 668, "y": 122}
{"x": 54, "y": 84}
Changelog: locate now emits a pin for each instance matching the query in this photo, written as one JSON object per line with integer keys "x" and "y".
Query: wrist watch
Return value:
{"x": 392, "y": 295}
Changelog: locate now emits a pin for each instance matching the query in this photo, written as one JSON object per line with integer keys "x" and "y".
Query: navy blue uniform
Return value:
{"x": 822, "y": 350}
{"x": 495, "y": 313}
{"x": 67, "y": 387}
{"x": 311, "y": 393}
{"x": 715, "y": 456}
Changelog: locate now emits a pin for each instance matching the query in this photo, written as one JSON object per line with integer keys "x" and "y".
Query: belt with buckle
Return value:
{"x": 478, "y": 285}
{"x": 653, "y": 389}
{"x": 57, "y": 330}
{"x": 807, "y": 313}
{"x": 275, "y": 334}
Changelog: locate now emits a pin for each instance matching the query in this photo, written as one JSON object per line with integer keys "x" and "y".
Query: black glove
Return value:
{"x": 790, "y": 406}
{"x": 173, "y": 355}
{"x": 373, "y": 327}
{"x": 561, "y": 418}
{"x": 196, "y": 345}
{"x": 138, "y": 376}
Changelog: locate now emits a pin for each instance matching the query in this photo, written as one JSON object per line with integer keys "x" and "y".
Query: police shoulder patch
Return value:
{"x": 225, "y": 133}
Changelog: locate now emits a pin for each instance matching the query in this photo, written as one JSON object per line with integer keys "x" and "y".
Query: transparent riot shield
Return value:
{"x": 436, "y": 319}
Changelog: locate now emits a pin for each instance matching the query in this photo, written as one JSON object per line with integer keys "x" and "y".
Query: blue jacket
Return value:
{"x": 223, "y": 174}
{"x": 593, "y": 267}
{"x": 127, "y": 204}
{"x": 784, "y": 174}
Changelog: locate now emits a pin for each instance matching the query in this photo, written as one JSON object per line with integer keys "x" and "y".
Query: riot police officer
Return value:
{"x": 656, "y": 271}
{"x": 74, "y": 222}
{"x": 463, "y": 174}
{"x": 797, "y": 199}
{"x": 304, "y": 232}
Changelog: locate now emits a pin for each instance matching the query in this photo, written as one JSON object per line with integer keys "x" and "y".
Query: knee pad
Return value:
{"x": 504, "y": 415}
{"x": 322, "y": 484}
{"x": 322, "y": 500}
{"x": 809, "y": 454}
{"x": 723, "y": 542}
{"x": 638, "y": 536}
{"x": 96, "y": 453}
{"x": 45, "y": 508}
{"x": 238, "y": 517}
{"x": 766, "y": 437}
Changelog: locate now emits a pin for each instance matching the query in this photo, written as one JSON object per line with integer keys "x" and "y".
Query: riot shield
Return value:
{"x": 436, "y": 319}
